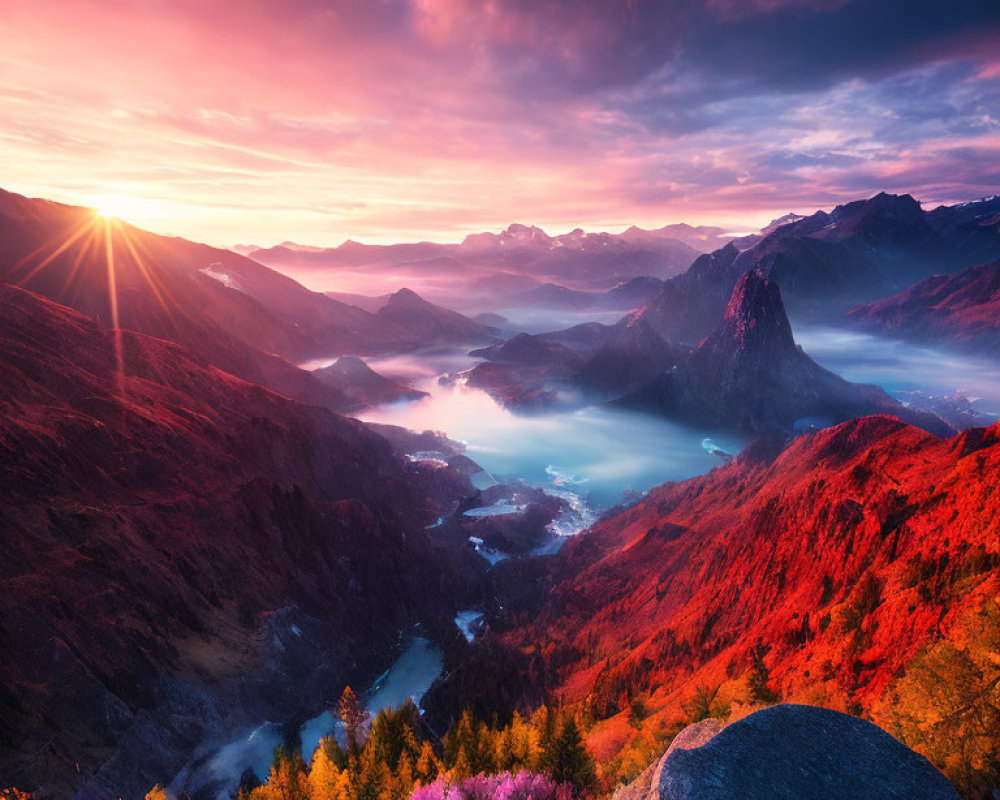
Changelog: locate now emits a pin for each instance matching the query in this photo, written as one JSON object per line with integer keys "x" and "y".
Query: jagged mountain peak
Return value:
{"x": 755, "y": 316}
{"x": 785, "y": 219}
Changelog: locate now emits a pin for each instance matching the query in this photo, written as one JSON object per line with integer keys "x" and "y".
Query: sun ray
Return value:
{"x": 59, "y": 250}
{"x": 85, "y": 248}
{"x": 113, "y": 298}
{"x": 158, "y": 290}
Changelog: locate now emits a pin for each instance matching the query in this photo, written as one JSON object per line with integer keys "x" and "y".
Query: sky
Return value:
{"x": 316, "y": 121}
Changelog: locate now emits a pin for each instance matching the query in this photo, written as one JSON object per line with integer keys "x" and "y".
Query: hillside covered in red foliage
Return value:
{"x": 816, "y": 573}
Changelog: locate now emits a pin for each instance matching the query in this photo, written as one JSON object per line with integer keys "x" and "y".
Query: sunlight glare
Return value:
{"x": 127, "y": 207}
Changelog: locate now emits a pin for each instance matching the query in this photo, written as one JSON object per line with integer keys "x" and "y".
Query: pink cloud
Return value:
{"x": 402, "y": 119}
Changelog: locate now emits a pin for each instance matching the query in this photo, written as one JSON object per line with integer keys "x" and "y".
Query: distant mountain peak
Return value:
{"x": 350, "y": 245}
{"x": 352, "y": 365}
{"x": 434, "y": 324}
{"x": 406, "y": 296}
{"x": 898, "y": 205}
{"x": 786, "y": 219}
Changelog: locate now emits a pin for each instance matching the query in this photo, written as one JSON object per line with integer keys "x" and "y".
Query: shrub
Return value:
{"x": 523, "y": 785}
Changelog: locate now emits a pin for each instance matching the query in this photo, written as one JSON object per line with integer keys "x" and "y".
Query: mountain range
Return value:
{"x": 520, "y": 266}
{"x": 827, "y": 263}
{"x": 195, "y": 540}
{"x": 234, "y": 312}
{"x": 747, "y": 374}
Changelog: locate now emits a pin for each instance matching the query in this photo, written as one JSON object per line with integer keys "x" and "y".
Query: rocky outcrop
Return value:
{"x": 749, "y": 374}
{"x": 794, "y": 752}
{"x": 647, "y": 785}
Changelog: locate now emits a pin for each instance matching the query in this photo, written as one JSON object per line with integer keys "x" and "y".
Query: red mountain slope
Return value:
{"x": 834, "y": 561}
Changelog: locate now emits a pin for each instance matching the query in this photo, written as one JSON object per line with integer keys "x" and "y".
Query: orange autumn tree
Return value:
{"x": 351, "y": 714}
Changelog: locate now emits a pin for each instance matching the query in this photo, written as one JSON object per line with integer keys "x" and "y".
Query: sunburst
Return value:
{"x": 103, "y": 230}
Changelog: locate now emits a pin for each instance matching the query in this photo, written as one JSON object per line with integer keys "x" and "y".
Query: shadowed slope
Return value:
{"x": 167, "y": 530}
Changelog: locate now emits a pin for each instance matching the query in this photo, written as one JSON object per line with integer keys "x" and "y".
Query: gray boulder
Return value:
{"x": 794, "y": 752}
{"x": 646, "y": 786}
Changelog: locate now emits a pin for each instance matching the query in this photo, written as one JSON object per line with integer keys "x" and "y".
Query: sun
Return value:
{"x": 115, "y": 206}
{"x": 118, "y": 205}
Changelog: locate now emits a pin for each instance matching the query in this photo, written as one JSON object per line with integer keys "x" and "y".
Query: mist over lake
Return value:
{"x": 900, "y": 367}
{"x": 598, "y": 453}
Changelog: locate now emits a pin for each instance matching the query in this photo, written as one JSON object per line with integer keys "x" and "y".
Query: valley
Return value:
{"x": 421, "y": 497}
{"x": 461, "y": 400}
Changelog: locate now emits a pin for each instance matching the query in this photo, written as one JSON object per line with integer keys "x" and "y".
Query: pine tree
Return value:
{"x": 323, "y": 776}
{"x": 757, "y": 681}
{"x": 705, "y": 703}
{"x": 484, "y": 755}
{"x": 567, "y": 760}
{"x": 428, "y": 767}
{"x": 156, "y": 793}
{"x": 544, "y": 721}
{"x": 374, "y": 779}
{"x": 344, "y": 789}
{"x": 334, "y": 752}
{"x": 462, "y": 768}
{"x": 287, "y": 779}
{"x": 403, "y": 780}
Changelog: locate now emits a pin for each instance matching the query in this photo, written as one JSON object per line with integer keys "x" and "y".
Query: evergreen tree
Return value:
{"x": 324, "y": 776}
{"x": 757, "y": 681}
{"x": 545, "y": 722}
{"x": 287, "y": 779}
{"x": 946, "y": 705}
{"x": 334, "y": 752}
{"x": 568, "y": 761}
{"x": 374, "y": 778}
{"x": 156, "y": 793}
{"x": 402, "y": 779}
{"x": 345, "y": 789}
{"x": 462, "y": 768}
{"x": 705, "y": 704}
{"x": 428, "y": 767}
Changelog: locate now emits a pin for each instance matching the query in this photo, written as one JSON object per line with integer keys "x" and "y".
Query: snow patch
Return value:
{"x": 215, "y": 272}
